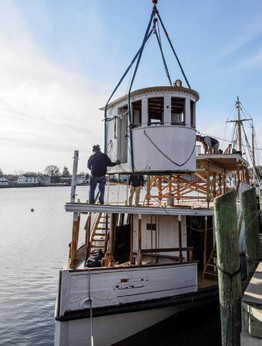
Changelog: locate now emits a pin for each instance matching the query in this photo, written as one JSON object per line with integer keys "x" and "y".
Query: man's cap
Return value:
{"x": 96, "y": 147}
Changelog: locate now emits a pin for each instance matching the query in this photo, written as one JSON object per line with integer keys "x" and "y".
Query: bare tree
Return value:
{"x": 66, "y": 172}
{"x": 54, "y": 173}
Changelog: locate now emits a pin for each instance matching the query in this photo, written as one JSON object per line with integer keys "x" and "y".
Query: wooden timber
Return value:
{"x": 207, "y": 183}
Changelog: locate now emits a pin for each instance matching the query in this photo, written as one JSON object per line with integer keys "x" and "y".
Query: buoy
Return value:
{"x": 32, "y": 209}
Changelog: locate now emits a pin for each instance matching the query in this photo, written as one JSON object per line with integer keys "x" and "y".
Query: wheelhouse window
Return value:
{"x": 155, "y": 111}
{"x": 177, "y": 111}
{"x": 192, "y": 114}
{"x": 137, "y": 113}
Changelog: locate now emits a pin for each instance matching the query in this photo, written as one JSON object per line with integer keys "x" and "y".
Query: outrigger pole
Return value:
{"x": 137, "y": 58}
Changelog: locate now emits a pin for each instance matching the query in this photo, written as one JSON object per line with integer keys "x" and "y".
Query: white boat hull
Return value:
{"x": 110, "y": 329}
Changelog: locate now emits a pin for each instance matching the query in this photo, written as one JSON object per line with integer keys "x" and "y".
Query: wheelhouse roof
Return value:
{"x": 154, "y": 89}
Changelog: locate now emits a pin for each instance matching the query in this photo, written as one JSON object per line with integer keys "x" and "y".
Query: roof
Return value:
{"x": 229, "y": 162}
{"x": 85, "y": 207}
{"x": 154, "y": 89}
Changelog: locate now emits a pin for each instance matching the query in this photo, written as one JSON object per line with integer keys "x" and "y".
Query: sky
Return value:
{"x": 61, "y": 59}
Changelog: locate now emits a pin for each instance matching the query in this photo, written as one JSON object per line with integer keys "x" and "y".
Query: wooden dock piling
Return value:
{"x": 228, "y": 263}
{"x": 250, "y": 216}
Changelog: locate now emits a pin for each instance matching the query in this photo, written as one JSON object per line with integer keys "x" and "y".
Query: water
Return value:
{"x": 34, "y": 247}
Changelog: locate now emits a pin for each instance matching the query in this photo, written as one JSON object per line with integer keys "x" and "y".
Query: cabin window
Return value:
{"x": 137, "y": 113}
{"x": 151, "y": 226}
{"x": 177, "y": 111}
{"x": 192, "y": 114}
{"x": 155, "y": 111}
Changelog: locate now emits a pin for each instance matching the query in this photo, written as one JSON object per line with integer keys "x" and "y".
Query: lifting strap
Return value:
{"x": 137, "y": 59}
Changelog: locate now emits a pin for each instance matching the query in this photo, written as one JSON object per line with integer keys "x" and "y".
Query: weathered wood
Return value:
{"x": 250, "y": 216}
{"x": 74, "y": 243}
{"x": 205, "y": 244}
{"x": 180, "y": 239}
{"x": 148, "y": 187}
{"x": 139, "y": 255}
{"x": 131, "y": 239}
{"x": 73, "y": 182}
{"x": 169, "y": 249}
{"x": 229, "y": 268}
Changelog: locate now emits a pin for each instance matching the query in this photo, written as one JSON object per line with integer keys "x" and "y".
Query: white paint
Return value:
{"x": 115, "y": 286}
{"x": 108, "y": 330}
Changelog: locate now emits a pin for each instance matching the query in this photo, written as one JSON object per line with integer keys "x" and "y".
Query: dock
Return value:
{"x": 251, "y": 306}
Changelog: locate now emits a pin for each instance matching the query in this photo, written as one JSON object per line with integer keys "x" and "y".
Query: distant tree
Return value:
{"x": 54, "y": 173}
{"x": 1, "y": 172}
{"x": 66, "y": 172}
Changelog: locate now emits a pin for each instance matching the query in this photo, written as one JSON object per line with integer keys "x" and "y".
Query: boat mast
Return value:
{"x": 239, "y": 121}
{"x": 253, "y": 154}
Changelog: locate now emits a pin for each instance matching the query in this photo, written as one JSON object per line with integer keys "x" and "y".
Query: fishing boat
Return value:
{"x": 157, "y": 258}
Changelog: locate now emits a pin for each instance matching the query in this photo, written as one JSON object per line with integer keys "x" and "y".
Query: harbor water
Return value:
{"x": 35, "y": 232}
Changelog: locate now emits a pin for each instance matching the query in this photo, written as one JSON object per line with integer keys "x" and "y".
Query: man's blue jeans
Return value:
{"x": 101, "y": 181}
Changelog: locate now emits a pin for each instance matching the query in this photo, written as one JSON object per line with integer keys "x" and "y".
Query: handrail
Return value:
{"x": 175, "y": 249}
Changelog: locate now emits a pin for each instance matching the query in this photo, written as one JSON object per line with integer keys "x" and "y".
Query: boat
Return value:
{"x": 158, "y": 258}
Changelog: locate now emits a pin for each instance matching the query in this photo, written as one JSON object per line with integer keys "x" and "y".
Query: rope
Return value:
{"x": 91, "y": 309}
{"x": 230, "y": 275}
{"x": 173, "y": 50}
{"x": 175, "y": 163}
{"x": 163, "y": 58}
{"x": 147, "y": 35}
{"x": 115, "y": 89}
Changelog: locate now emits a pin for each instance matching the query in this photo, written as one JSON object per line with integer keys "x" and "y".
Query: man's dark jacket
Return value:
{"x": 136, "y": 180}
{"x": 98, "y": 163}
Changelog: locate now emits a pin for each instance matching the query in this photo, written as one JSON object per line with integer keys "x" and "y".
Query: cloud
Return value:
{"x": 250, "y": 32}
{"x": 43, "y": 108}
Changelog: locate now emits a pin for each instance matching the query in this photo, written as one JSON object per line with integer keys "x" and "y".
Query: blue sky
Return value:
{"x": 61, "y": 59}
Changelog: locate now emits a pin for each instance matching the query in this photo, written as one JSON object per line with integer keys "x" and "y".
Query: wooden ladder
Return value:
{"x": 210, "y": 271}
{"x": 100, "y": 233}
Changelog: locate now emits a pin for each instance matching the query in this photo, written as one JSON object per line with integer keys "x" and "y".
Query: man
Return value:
{"x": 210, "y": 144}
{"x": 136, "y": 183}
{"x": 98, "y": 163}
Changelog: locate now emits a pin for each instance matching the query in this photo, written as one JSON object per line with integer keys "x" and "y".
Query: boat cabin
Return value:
{"x": 153, "y": 131}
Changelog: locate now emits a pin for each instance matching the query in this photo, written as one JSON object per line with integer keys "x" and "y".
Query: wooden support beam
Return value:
{"x": 74, "y": 243}
{"x": 208, "y": 187}
{"x": 229, "y": 277}
{"x": 131, "y": 240}
{"x": 159, "y": 187}
{"x": 250, "y": 216}
{"x": 205, "y": 244}
{"x": 180, "y": 238}
{"x": 139, "y": 253}
{"x": 148, "y": 190}
{"x": 87, "y": 236}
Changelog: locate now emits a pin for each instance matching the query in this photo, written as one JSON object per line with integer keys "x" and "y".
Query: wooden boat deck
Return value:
{"x": 144, "y": 210}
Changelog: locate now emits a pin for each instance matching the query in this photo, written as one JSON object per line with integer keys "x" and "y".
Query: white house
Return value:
{"x": 4, "y": 181}
{"x": 81, "y": 179}
{"x": 27, "y": 178}
{"x": 44, "y": 179}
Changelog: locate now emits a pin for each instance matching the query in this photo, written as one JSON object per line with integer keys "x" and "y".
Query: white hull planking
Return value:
{"x": 118, "y": 286}
{"x": 108, "y": 330}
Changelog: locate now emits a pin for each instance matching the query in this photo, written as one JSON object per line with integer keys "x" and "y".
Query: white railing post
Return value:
{"x": 73, "y": 182}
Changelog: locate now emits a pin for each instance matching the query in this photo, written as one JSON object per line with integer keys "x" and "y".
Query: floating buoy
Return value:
{"x": 32, "y": 209}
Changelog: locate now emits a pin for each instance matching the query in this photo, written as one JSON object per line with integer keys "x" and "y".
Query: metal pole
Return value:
{"x": 73, "y": 182}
